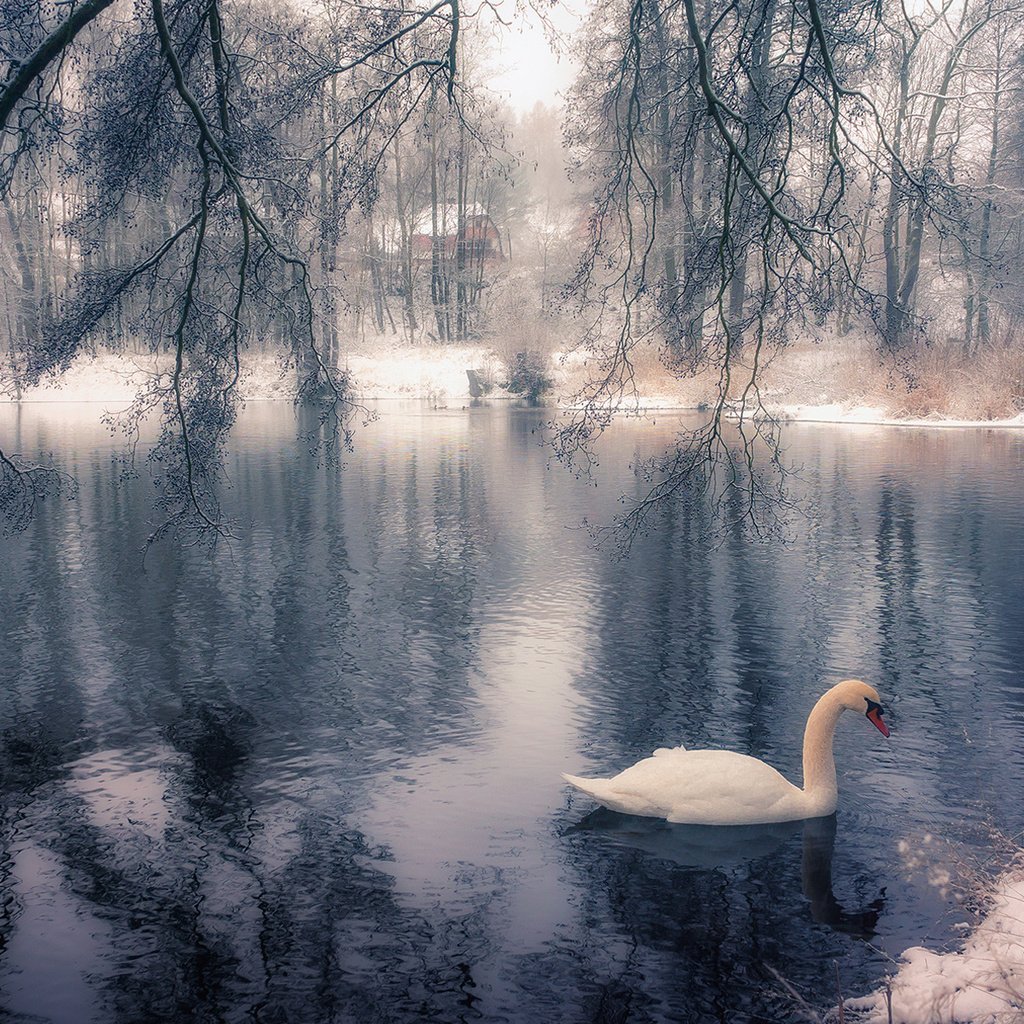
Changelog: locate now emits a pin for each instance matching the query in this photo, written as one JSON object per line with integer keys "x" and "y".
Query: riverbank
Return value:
{"x": 982, "y": 982}
{"x": 812, "y": 383}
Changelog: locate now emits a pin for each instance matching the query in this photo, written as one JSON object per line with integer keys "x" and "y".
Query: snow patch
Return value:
{"x": 434, "y": 373}
{"x": 801, "y": 386}
{"x": 981, "y": 983}
{"x": 110, "y": 377}
{"x": 838, "y": 412}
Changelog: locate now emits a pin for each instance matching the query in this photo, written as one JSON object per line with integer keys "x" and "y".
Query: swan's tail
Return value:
{"x": 601, "y": 790}
{"x": 605, "y": 793}
{"x": 592, "y": 787}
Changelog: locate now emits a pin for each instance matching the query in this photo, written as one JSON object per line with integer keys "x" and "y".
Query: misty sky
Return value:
{"x": 527, "y": 71}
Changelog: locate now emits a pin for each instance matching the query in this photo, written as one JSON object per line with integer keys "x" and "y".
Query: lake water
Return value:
{"x": 315, "y": 777}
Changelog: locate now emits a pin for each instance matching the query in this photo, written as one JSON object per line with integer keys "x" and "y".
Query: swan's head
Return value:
{"x": 858, "y": 696}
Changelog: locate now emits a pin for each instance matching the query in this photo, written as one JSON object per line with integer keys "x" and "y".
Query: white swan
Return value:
{"x": 719, "y": 787}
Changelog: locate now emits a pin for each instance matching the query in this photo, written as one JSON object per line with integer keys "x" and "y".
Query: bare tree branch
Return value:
{"x": 28, "y": 71}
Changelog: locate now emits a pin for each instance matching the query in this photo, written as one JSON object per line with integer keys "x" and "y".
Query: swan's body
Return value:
{"x": 718, "y": 787}
{"x": 705, "y": 787}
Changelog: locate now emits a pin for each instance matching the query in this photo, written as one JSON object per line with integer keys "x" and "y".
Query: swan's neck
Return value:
{"x": 819, "y": 763}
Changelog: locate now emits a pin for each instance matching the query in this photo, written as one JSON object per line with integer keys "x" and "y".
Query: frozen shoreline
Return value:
{"x": 437, "y": 374}
{"x": 981, "y": 983}
{"x": 869, "y": 416}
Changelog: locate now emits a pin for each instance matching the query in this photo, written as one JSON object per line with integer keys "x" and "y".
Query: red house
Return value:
{"x": 477, "y": 235}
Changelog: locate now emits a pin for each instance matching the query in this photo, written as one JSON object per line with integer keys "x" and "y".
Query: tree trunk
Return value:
{"x": 437, "y": 282}
{"x": 985, "y": 241}
{"x": 28, "y": 321}
{"x": 405, "y": 247}
{"x": 669, "y": 231}
{"x": 895, "y": 316}
{"x": 461, "y": 240}
{"x": 755, "y": 111}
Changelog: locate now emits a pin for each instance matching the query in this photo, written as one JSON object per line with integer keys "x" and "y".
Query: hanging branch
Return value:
{"x": 177, "y": 57}
{"x": 23, "y": 486}
{"x": 25, "y": 73}
{"x": 746, "y": 86}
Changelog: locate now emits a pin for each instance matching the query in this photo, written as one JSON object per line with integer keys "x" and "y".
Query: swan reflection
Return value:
{"x": 711, "y": 847}
{"x": 816, "y": 872}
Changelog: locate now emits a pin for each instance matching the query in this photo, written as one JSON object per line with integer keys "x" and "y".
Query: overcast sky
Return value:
{"x": 526, "y": 68}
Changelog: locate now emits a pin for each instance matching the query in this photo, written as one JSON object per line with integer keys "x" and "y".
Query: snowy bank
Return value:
{"x": 435, "y": 374}
{"x": 382, "y": 370}
{"x": 809, "y": 384}
{"x": 111, "y": 378}
{"x": 838, "y": 412}
{"x": 981, "y": 983}
{"x": 848, "y": 380}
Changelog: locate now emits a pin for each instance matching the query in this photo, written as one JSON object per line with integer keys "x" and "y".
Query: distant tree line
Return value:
{"x": 762, "y": 167}
{"x": 218, "y": 176}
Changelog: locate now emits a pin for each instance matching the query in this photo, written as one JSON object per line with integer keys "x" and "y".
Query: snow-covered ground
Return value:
{"x": 980, "y": 983}
{"x": 812, "y": 383}
{"x": 109, "y": 378}
{"x": 433, "y": 373}
{"x": 843, "y": 412}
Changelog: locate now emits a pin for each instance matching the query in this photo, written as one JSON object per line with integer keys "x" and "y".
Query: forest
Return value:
{"x": 218, "y": 179}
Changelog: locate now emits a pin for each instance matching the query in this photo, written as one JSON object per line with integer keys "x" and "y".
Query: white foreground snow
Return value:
{"x": 982, "y": 983}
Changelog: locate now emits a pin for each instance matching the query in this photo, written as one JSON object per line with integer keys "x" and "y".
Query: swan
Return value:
{"x": 719, "y": 787}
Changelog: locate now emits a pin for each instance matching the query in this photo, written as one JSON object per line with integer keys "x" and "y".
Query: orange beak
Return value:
{"x": 875, "y": 718}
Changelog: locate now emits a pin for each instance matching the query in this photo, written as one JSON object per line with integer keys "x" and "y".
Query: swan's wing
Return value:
{"x": 701, "y": 786}
{"x": 638, "y": 798}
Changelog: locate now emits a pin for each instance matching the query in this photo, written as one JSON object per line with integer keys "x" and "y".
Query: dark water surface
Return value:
{"x": 315, "y": 777}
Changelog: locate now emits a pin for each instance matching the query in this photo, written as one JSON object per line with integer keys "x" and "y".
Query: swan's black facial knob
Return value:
{"x": 874, "y": 716}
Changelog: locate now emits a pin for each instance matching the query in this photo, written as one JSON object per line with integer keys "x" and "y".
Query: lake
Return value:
{"x": 315, "y": 776}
